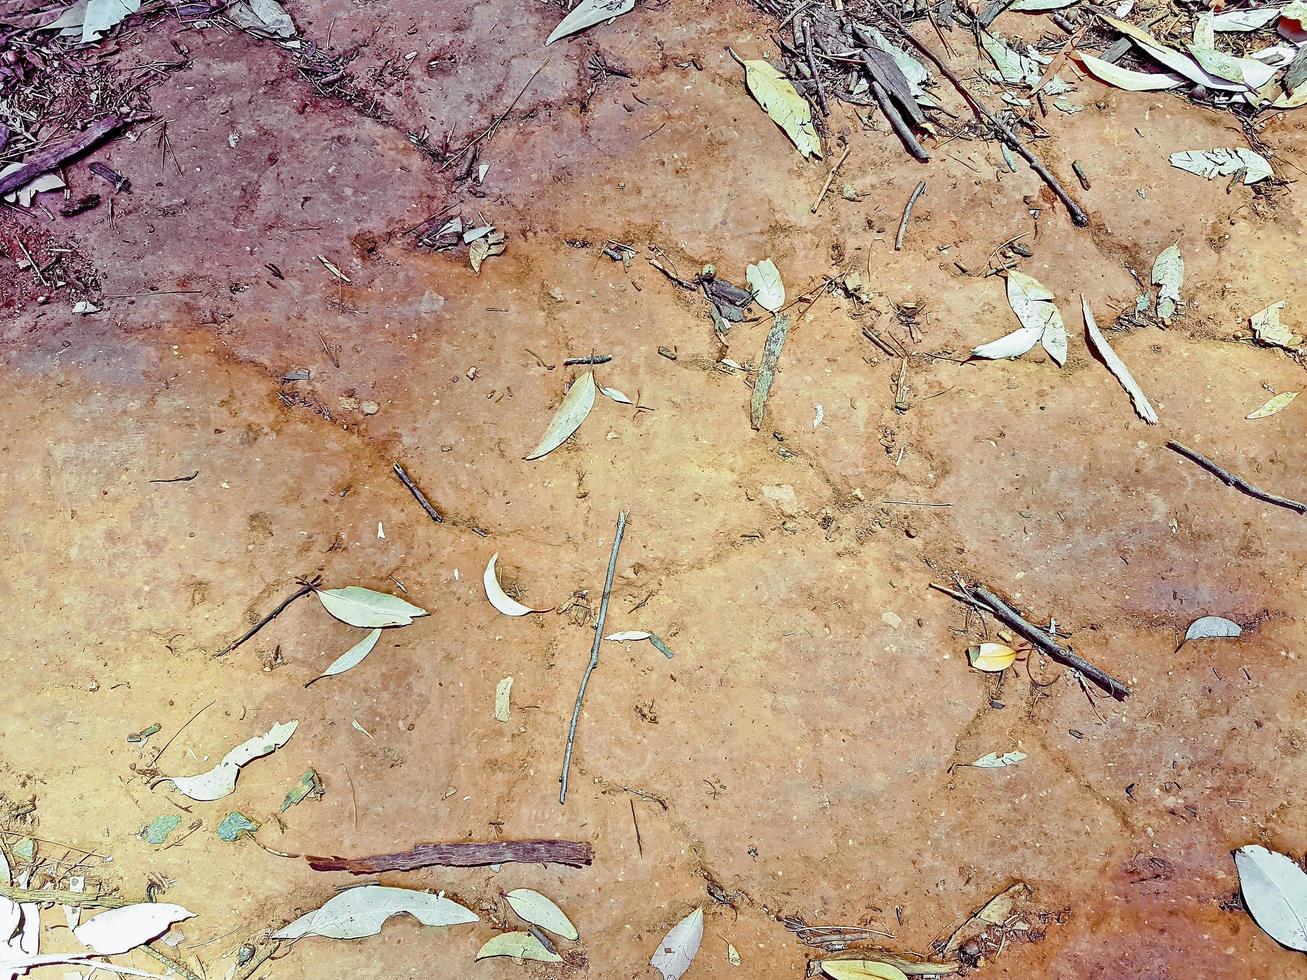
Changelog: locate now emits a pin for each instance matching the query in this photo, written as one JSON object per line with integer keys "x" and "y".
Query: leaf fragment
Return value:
{"x": 771, "y": 354}
{"x": 503, "y": 692}
{"x": 1268, "y": 329}
{"x": 540, "y": 911}
{"x": 1224, "y": 161}
{"x": 220, "y": 781}
{"x": 1275, "y": 893}
{"x": 587, "y": 13}
{"x": 367, "y": 609}
{"x": 1012, "y": 345}
{"x": 786, "y": 107}
{"x": 861, "y": 970}
{"x": 1032, "y": 302}
{"x": 351, "y": 657}
{"x": 578, "y": 401}
{"x": 310, "y": 784}
{"x": 263, "y": 18}
{"x": 1168, "y": 277}
{"x": 1143, "y": 407}
{"x": 359, "y": 912}
{"x": 1013, "y": 66}
{"x": 118, "y": 930}
{"x": 628, "y": 635}
{"x": 1248, "y": 19}
{"x": 500, "y": 599}
{"x": 991, "y": 657}
{"x": 234, "y": 826}
{"x": 518, "y": 945}
{"x": 1212, "y": 627}
{"x": 996, "y": 761}
{"x": 1277, "y": 404}
{"x": 676, "y": 952}
{"x": 733, "y": 955}
{"x": 765, "y": 281}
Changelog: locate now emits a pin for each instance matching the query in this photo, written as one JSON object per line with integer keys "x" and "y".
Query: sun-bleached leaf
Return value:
{"x": 1038, "y": 6}
{"x": 503, "y": 694}
{"x": 578, "y": 401}
{"x": 518, "y": 945}
{"x": 913, "y": 70}
{"x": 1247, "y": 71}
{"x": 1013, "y": 345}
{"x": 615, "y": 395}
{"x": 786, "y": 107}
{"x": 362, "y": 911}
{"x": 1223, "y": 162}
{"x": 540, "y": 911}
{"x": 1277, "y": 404}
{"x": 103, "y": 16}
{"x": 1275, "y": 894}
{"x": 351, "y": 657}
{"x": 1250, "y": 19}
{"x": 1032, "y": 302}
{"x": 996, "y": 761}
{"x": 367, "y": 609}
{"x": 628, "y": 635}
{"x": 676, "y": 952}
{"x": 1143, "y": 407}
{"x": 1013, "y": 66}
{"x": 1168, "y": 277}
{"x": 1268, "y": 329}
{"x": 262, "y": 18}
{"x": 1212, "y": 627}
{"x": 1177, "y": 61}
{"x": 1124, "y": 78}
{"x": 118, "y": 930}
{"x": 27, "y": 193}
{"x": 500, "y": 599}
{"x": 991, "y": 657}
{"x": 19, "y": 965}
{"x": 587, "y": 13}
{"x": 733, "y": 955}
{"x": 220, "y": 781}
{"x": 765, "y": 281}
{"x": 861, "y": 970}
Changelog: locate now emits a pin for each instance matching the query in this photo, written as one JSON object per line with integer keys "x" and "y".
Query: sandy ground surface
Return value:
{"x": 803, "y": 736}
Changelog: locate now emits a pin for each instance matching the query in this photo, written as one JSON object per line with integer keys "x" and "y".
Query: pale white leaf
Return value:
{"x": 1204, "y": 32}
{"x": 73, "y": 17}
{"x": 1275, "y": 893}
{"x": 1276, "y": 404}
{"x": 1249, "y": 19}
{"x": 18, "y": 965}
{"x": 765, "y": 281}
{"x": 578, "y": 401}
{"x": 362, "y": 911}
{"x": 1036, "y": 6}
{"x": 1210, "y": 627}
{"x": 104, "y": 15}
{"x": 1032, "y": 302}
{"x": 1168, "y": 277}
{"x": 262, "y": 18}
{"x": 24, "y": 195}
{"x": 220, "y": 781}
{"x": 500, "y": 599}
{"x": 367, "y": 609}
{"x": 520, "y": 946}
{"x": 1268, "y": 329}
{"x": 786, "y": 107}
{"x": 996, "y": 761}
{"x": 503, "y": 692}
{"x": 540, "y": 911}
{"x": 118, "y": 930}
{"x": 733, "y": 955}
{"x": 587, "y": 13}
{"x": 1177, "y": 61}
{"x": 1248, "y": 71}
{"x": 11, "y": 916}
{"x": 1124, "y": 78}
{"x": 861, "y": 970}
{"x": 615, "y": 395}
{"x": 675, "y": 953}
{"x": 1117, "y": 366}
{"x": 1223, "y": 162}
{"x": 351, "y": 657}
{"x": 1013, "y": 66}
{"x": 628, "y": 635}
{"x": 1013, "y": 345}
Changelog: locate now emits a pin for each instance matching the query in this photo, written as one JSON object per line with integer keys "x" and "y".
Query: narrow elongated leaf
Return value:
{"x": 1275, "y": 893}
{"x": 1013, "y": 345}
{"x": 518, "y": 945}
{"x": 1038, "y": 6}
{"x": 996, "y": 761}
{"x": 1222, "y": 162}
{"x": 1124, "y": 78}
{"x": 1210, "y": 627}
{"x": 615, "y": 395}
{"x": 19, "y": 965}
{"x": 861, "y": 970}
{"x": 991, "y": 657}
{"x": 104, "y": 15}
{"x": 765, "y": 281}
{"x": 500, "y": 599}
{"x": 913, "y": 70}
{"x": 367, "y": 609}
{"x": 628, "y": 635}
{"x": 1250, "y": 19}
{"x": 362, "y": 911}
{"x": 540, "y": 911}
{"x": 1013, "y": 66}
{"x": 587, "y": 13}
{"x": 220, "y": 781}
{"x": 351, "y": 657}
{"x": 1277, "y": 404}
{"x": 118, "y": 930}
{"x": 787, "y": 108}
{"x": 1177, "y": 61}
{"x": 676, "y": 952}
{"x": 503, "y": 693}
{"x": 1168, "y": 277}
{"x": 1247, "y": 71}
{"x": 578, "y": 401}
{"x": 1143, "y": 407}
{"x": 771, "y": 355}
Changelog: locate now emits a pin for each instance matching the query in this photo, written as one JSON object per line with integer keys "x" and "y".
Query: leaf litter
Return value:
{"x": 574, "y": 410}
{"x": 500, "y": 599}
{"x": 220, "y": 781}
{"x": 1274, "y": 405}
{"x": 1143, "y": 407}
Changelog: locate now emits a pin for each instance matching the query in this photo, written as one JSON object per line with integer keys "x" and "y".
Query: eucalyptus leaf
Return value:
{"x": 1143, "y": 407}
{"x": 996, "y": 761}
{"x": 366, "y": 609}
{"x": 1223, "y": 162}
{"x": 351, "y": 657}
{"x": 500, "y": 599}
{"x": 1276, "y": 404}
{"x": 118, "y": 930}
{"x": 1125, "y": 78}
{"x": 587, "y": 13}
{"x": 1275, "y": 893}
{"x": 1212, "y": 627}
{"x": 518, "y": 945}
{"x": 220, "y": 781}
{"x": 1168, "y": 277}
{"x": 676, "y": 952}
{"x": 786, "y": 107}
{"x": 765, "y": 281}
{"x": 360, "y": 912}
{"x": 578, "y": 401}
{"x": 540, "y": 911}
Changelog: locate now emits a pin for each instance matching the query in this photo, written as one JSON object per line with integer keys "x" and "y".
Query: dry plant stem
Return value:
{"x": 59, "y": 897}
{"x": 594, "y": 654}
{"x": 907, "y": 216}
{"x": 418, "y": 495}
{"x": 896, "y": 122}
{"x": 169, "y": 962}
{"x": 830, "y": 177}
{"x": 300, "y": 593}
{"x": 1234, "y": 480}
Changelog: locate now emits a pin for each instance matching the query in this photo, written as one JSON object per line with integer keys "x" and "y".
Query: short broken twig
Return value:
{"x": 418, "y": 495}
{"x": 896, "y": 122}
{"x": 1234, "y": 480}
{"x": 591, "y": 359}
{"x": 594, "y": 653}
{"x": 907, "y": 215}
{"x": 46, "y": 160}
{"x": 304, "y": 589}
{"x": 830, "y": 177}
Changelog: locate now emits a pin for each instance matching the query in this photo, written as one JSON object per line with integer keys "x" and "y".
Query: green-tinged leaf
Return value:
{"x": 578, "y": 401}
{"x": 1212, "y": 627}
{"x": 676, "y": 952}
{"x": 765, "y": 281}
{"x": 1268, "y": 329}
{"x": 1249, "y": 19}
{"x": 158, "y": 829}
{"x": 991, "y": 657}
{"x": 367, "y": 609}
{"x": 587, "y": 13}
{"x": 861, "y": 970}
{"x": 787, "y": 108}
{"x": 310, "y": 784}
{"x": 1143, "y": 407}
{"x": 518, "y": 945}
{"x": 1124, "y": 78}
{"x": 1168, "y": 277}
{"x": 104, "y": 15}
{"x": 1223, "y": 162}
{"x": 534, "y": 908}
{"x": 503, "y": 692}
{"x": 1177, "y": 61}
{"x": 234, "y": 826}
{"x": 351, "y": 657}
{"x": 771, "y": 355}
{"x": 996, "y": 761}
{"x": 1275, "y": 894}
{"x": 1013, "y": 66}
{"x": 733, "y": 955}
{"x": 220, "y": 781}
{"x": 362, "y": 911}
{"x": 1246, "y": 71}
{"x": 1277, "y": 404}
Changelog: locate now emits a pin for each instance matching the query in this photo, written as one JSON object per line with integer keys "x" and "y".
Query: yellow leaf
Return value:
{"x": 861, "y": 970}
{"x": 1277, "y": 404}
{"x": 992, "y": 657}
{"x": 787, "y": 108}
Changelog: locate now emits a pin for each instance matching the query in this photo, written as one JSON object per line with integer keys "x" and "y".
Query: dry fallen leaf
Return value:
{"x": 587, "y": 13}
{"x": 518, "y": 945}
{"x": 1143, "y": 407}
{"x": 578, "y": 401}
{"x": 118, "y": 930}
{"x": 676, "y": 952}
{"x": 500, "y": 599}
{"x": 1275, "y": 893}
{"x": 359, "y": 912}
{"x": 1168, "y": 277}
{"x": 1212, "y": 627}
{"x": 991, "y": 657}
{"x": 351, "y": 657}
{"x": 996, "y": 761}
{"x": 787, "y": 108}
{"x": 367, "y": 609}
{"x": 765, "y": 281}
{"x": 1268, "y": 329}
{"x": 861, "y": 970}
{"x": 1277, "y": 404}
{"x": 1124, "y": 78}
{"x": 540, "y": 911}
{"x": 220, "y": 781}
{"x": 503, "y": 691}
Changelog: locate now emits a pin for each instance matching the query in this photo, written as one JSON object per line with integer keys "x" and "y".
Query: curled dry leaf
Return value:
{"x": 765, "y": 281}
{"x": 360, "y": 912}
{"x": 861, "y": 970}
{"x": 500, "y": 599}
{"x": 991, "y": 657}
{"x": 1013, "y": 66}
{"x": 676, "y": 952}
{"x": 786, "y": 107}
{"x": 118, "y": 930}
{"x": 587, "y": 13}
{"x": 1277, "y": 404}
{"x": 367, "y": 609}
{"x": 1275, "y": 894}
{"x": 541, "y": 911}
{"x": 1212, "y": 627}
{"x": 220, "y": 781}
{"x": 351, "y": 657}
{"x": 578, "y": 401}
{"x": 1143, "y": 407}
{"x": 518, "y": 945}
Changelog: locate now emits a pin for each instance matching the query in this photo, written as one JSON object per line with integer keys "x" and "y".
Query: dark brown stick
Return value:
{"x": 463, "y": 854}
{"x": 418, "y": 495}
{"x": 302, "y": 591}
{"x": 812, "y": 67}
{"x": 1236, "y": 481}
{"x": 47, "y": 160}
{"x": 981, "y": 597}
{"x": 907, "y": 215}
{"x": 896, "y": 122}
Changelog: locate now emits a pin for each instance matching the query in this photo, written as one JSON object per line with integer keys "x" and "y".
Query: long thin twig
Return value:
{"x": 489, "y": 130}
{"x": 418, "y": 495}
{"x": 180, "y": 968}
{"x": 907, "y": 216}
{"x": 830, "y": 177}
{"x": 304, "y": 589}
{"x": 594, "y": 653}
{"x": 59, "y": 897}
{"x": 978, "y": 595}
{"x": 1234, "y": 480}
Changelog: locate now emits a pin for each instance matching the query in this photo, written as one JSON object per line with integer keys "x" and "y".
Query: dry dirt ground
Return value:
{"x": 804, "y": 735}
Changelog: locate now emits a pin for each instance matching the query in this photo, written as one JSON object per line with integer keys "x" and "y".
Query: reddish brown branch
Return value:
{"x": 464, "y": 854}
{"x": 47, "y": 160}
